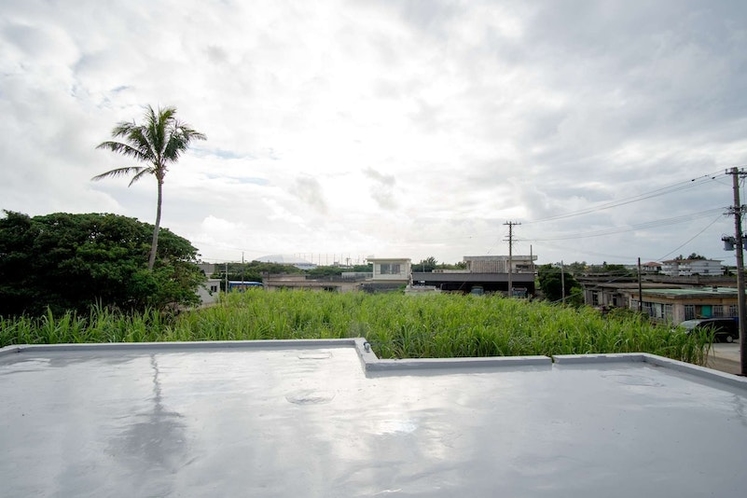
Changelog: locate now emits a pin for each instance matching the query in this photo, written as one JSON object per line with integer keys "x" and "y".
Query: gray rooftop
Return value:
{"x": 330, "y": 419}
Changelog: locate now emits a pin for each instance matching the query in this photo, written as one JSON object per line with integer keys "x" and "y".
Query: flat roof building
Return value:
{"x": 328, "y": 418}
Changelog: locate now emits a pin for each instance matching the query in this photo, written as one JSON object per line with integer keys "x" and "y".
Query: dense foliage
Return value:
{"x": 582, "y": 268}
{"x": 397, "y": 326}
{"x": 553, "y": 279}
{"x": 67, "y": 261}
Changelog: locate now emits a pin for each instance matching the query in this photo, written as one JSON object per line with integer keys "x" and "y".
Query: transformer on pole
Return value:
{"x": 738, "y": 241}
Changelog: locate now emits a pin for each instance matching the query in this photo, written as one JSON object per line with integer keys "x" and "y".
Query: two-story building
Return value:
{"x": 388, "y": 274}
{"x": 688, "y": 267}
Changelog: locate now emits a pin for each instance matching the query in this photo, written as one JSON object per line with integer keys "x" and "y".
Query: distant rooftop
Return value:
{"x": 328, "y": 418}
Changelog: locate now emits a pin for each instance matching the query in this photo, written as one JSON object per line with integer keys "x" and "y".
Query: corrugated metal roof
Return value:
{"x": 328, "y": 418}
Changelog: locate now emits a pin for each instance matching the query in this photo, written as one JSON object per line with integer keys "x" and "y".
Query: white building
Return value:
{"x": 688, "y": 267}
{"x": 209, "y": 291}
{"x": 390, "y": 269}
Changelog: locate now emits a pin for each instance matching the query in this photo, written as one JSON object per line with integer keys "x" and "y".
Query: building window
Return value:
{"x": 669, "y": 312}
{"x": 689, "y": 311}
{"x": 390, "y": 269}
{"x": 733, "y": 310}
{"x": 213, "y": 288}
{"x": 648, "y": 308}
{"x": 717, "y": 310}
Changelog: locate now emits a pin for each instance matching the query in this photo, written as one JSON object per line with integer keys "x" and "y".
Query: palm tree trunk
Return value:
{"x": 154, "y": 244}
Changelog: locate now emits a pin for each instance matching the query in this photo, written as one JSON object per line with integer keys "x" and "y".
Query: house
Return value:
{"x": 523, "y": 284}
{"x": 651, "y": 268}
{"x": 209, "y": 269}
{"x": 677, "y": 305}
{"x": 389, "y": 274}
{"x": 209, "y": 291}
{"x": 391, "y": 269}
{"x": 331, "y": 284}
{"x": 606, "y": 293}
{"x": 687, "y": 267}
{"x": 484, "y": 274}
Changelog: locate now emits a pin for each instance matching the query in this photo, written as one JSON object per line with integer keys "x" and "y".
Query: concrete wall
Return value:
{"x": 209, "y": 291}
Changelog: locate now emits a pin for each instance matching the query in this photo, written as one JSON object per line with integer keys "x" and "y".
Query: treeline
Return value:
{"x": 68, "y": 262}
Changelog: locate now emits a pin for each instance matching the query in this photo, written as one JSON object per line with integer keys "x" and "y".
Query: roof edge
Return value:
{"x": 656, "y": 360}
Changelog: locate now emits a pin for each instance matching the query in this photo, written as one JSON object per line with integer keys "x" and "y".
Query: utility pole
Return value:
{"x": 531, "y": 258}
{"x": 640, "y": 288}
{"x": 511, "y": 225}
{"x": 737, "y": 209}
{"x": 562, "y": 282}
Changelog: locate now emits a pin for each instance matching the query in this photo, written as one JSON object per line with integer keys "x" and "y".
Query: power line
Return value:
{"x": 676, "y": 187}
{"x": 643, "y": 226}
{"x": 690, "y": 239}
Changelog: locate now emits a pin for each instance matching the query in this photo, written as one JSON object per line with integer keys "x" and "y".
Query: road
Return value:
{"x": 725, "y": 357}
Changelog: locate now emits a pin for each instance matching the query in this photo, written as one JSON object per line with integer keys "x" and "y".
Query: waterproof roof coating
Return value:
{"x": 290, "y": 420}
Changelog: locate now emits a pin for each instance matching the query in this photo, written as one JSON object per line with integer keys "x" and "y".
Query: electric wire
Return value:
{"x": 669, "y": 189}
{"x": 691, "y": 238}
{"x": 643, "y": 226}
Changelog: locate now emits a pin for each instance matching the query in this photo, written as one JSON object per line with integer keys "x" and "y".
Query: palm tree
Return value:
{"x": 159, "y": 142}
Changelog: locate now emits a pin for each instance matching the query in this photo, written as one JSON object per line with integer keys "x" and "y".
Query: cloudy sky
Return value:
{"x": 346, "y": 129}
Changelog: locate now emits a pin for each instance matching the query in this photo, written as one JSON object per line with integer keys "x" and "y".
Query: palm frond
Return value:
{"x": 180, "y": 137}
{"x": 124, "y": 149}
{"x": 141, "y": 138}
{"x": 160, "y": 126}
{"x": 120, "y": 172}
{"x": 145, "y": 171}
{"x": 124, "y": 128}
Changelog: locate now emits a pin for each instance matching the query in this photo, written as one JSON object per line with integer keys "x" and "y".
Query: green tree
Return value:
{"x": 158, "y": 143}
{"x": 67, "y": 261}
{"x": 551, "y": 283}
{"x": 363, "y": 268}
{"x": 611, "y": 269}
{"x": 324, "y": 271}
{"x": 577, "y": 268}
{"x": 426, "y": 265}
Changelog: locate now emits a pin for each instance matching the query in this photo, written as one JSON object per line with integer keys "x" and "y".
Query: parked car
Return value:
{"x": 725, "y": 329}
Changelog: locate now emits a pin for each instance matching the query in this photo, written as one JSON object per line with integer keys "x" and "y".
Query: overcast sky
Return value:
{"x": 346, "y": 129}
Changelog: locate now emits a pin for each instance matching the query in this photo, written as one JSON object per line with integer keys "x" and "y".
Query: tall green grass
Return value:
{"x": 397, "y": 326}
